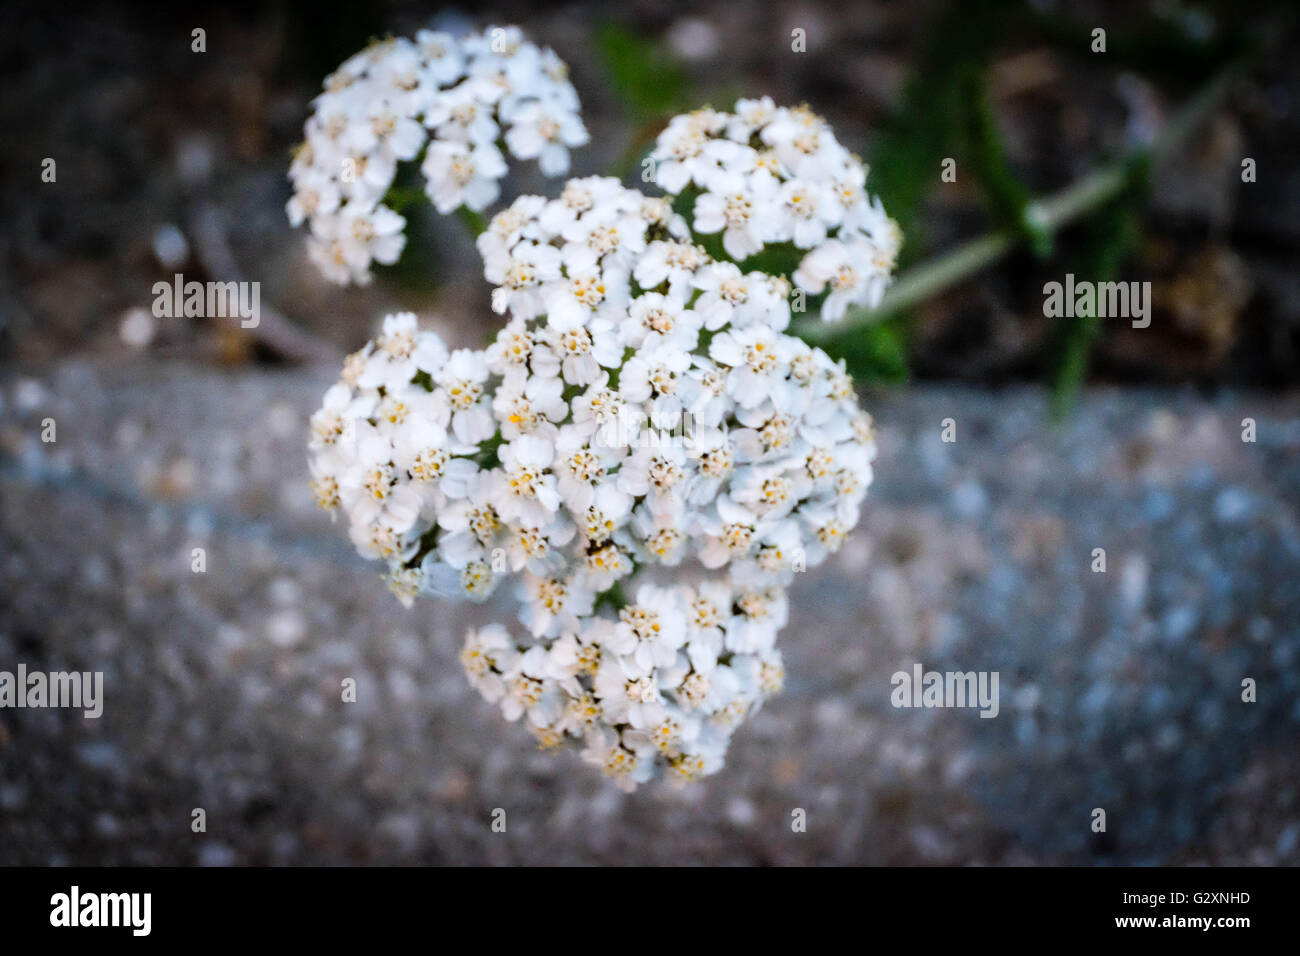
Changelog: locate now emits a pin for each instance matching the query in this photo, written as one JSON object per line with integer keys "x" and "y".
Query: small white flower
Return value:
{"x": 741, "y": 209}
{"x": 553, "y": 604}
{"x": 529, "y": 489}
{"x": 461, "y": 383}
{"x": 730, "y": 533}
{"x": 663, "y": 529}
{"x": 584, "y": 350}
{"x": 315, "y": 194}
{"x": 656, "y": 467}
{"x": 520, "y": 279}
{"x": 486, "y": 654}
{"x": 849, "y": 271}
{"x": 443, "y": 60}
{"x": 582, "y": 467}
{"x": 670, "y": 261}
{"x": 460, "y": 174}
{"x": 546, "y": 133}
{"x": 522, "y": 404}
{"x": 654, "y": 378}
{"x": 650, "y": 631}
{"x": 605, "y": 514}
{"x": 349, "y": 242}
{"x": 655, "y": 319}
{"x": 583, "y": 295}
{"x": 758, "y": 359}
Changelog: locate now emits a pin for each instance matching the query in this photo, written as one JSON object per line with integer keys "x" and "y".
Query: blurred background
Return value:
{"x": 1120, "y": 690}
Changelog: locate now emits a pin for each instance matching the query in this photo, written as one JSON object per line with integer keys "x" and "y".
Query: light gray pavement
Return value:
{"x": 1119, "y": 690}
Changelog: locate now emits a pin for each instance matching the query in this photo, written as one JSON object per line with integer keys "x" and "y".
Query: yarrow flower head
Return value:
{"x": 456, "y": 106}
{"x": 765, "y": 175}
{"x": 643, "y": 427}
{"x": 642, "y": 448}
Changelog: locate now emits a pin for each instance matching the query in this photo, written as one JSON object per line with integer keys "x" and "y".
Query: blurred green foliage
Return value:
{"x": 414, "y": 271}
{"x": 945, "y": 111}
{"x": 980, "y": 143}
{"x": 875, "y": 355}
{"x": 1177, "y": 44}
{"x": 651, "y": 84}
{"x": 929, "y": 124}
{"x": 1110, "y": 238}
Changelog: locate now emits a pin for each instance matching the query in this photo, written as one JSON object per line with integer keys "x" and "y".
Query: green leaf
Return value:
{"x": 1112, "y": 236}
{"x": 645, "y": 77}
{"x": 985, "y": 158}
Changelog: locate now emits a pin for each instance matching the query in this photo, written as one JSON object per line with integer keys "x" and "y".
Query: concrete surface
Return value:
{"x": 1119, "y": 691}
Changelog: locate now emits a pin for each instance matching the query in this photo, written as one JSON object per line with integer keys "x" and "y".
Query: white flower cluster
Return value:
{"x": 665, "y": 682}
{"x": 457, "y": 102}
{"x": 642, "y": 407}
{"x": 767, "y": 175}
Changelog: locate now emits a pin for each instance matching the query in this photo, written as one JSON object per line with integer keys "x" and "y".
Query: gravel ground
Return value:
{"x": 1119, "y": 690}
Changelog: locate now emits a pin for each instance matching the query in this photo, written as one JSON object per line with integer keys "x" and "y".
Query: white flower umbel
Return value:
{"x": 768, "y": 176}
{"x": 641, "y": 409}
{"x": 457, "y": 106}
{"x": 627, "y": 416}
{"x": 663, "y": 684}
